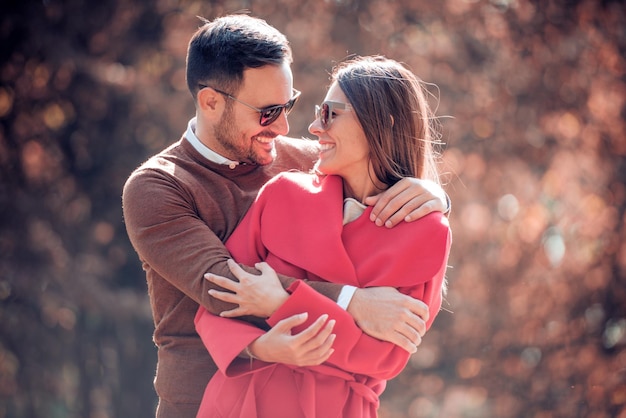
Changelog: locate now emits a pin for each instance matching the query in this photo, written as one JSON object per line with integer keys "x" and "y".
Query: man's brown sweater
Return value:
{"x": 179, "y": 209}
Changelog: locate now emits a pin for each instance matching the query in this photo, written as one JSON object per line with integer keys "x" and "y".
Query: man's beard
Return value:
{"x": 240, "y": 148}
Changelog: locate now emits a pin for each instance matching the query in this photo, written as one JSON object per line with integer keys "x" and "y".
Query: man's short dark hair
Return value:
{"x": 222, "y": 49}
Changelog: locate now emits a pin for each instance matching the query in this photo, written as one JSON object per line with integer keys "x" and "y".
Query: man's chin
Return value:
{"x": 267, "y": 160}
{"x": 264, "y": 158}
{"x": 265, "y": 155}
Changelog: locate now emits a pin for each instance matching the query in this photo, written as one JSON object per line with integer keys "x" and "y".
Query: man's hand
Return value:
{"x": 311, "y": 347}
{"x": 387, "y": 314}
{"x": 408, "y": 200}
{"x": 256, "y": 295}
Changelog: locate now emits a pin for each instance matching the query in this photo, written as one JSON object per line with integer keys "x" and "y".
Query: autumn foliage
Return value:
{"x": 531, "y": 98}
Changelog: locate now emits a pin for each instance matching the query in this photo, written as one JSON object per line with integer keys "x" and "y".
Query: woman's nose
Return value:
{"x": 316, "y": 127}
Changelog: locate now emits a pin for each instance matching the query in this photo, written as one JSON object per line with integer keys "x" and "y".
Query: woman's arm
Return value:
{"x": 424, "y": 262}
{"x": 405, "y": 327}
{"x": 228, "y": 340}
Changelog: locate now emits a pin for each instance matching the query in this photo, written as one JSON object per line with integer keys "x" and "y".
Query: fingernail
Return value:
{"x": 388, "y": 224}
{"x": 379, "y": 222}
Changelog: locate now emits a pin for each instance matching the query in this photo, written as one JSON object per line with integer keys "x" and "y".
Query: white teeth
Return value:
{"x": 264, "y": 140}
{"x": 325, "y": 147}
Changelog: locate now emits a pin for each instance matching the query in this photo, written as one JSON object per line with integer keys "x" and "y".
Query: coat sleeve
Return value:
{"x": 225, "y": 339}
{"x": 356, "y": 351}
{"x": 248, "y": 245}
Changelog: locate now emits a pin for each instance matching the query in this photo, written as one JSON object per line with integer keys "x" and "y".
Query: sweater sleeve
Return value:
{"x": 171, "y": 236}
{"x": 180, "y": 241}
{"x": 355, "y": 351}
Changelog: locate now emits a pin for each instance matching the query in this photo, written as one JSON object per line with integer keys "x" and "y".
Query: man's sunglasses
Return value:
{"x": 326, "y": 110}
{"x": 268, "y": 114}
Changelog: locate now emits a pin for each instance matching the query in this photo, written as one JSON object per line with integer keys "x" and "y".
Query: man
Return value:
{"x": 182, "y": 204}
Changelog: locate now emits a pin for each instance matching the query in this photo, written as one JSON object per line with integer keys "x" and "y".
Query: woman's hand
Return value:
{"x": 256, "y": 295}
{"x": 310, "y": 347}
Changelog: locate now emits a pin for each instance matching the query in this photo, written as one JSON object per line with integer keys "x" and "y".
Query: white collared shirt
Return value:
{"x": 352, "y": 209}
{"x": 206, "y": 152}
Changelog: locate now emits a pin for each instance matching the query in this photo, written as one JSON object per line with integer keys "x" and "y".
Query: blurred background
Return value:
{"x": 531, "y": 96}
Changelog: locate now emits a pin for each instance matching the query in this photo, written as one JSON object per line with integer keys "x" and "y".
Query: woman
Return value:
{"x": 374, "y": 128}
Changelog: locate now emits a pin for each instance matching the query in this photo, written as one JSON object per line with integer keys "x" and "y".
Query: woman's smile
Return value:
{"x": 326, "y": 146}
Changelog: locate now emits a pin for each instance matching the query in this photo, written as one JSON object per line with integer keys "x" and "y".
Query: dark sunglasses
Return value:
{"x": 326, "y": 110}
{"x": 268, "y": 114}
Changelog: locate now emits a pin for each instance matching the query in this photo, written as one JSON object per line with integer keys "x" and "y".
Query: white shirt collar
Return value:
{"x": 206, "y": 152}
{"x": 352, "y": 209}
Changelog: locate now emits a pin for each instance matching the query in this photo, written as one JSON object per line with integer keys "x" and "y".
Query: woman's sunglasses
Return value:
{"x": 326, "y": 110}
{"x": 267, "y": 114}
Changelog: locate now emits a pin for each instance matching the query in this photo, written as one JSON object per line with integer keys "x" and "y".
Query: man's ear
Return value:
{"x": 208, "y": 99}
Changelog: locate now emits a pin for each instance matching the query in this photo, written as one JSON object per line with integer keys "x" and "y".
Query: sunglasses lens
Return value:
{"x": 270, "y": 115}
{"x": 325, "y": 115}
{"x": 289, "y": 106}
